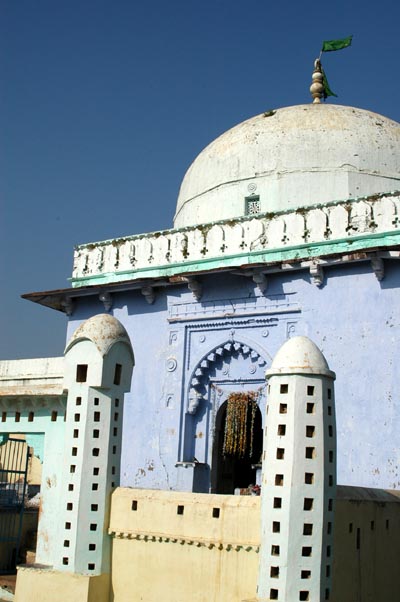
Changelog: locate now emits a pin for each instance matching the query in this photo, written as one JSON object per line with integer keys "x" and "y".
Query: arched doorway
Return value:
{"x": 237, "y": 444}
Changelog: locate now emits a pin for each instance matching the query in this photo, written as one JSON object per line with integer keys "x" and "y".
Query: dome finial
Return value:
{"x": 317, "y": 86}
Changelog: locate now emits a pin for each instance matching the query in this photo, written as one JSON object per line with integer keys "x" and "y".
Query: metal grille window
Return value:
{"x": 253, "y": 205}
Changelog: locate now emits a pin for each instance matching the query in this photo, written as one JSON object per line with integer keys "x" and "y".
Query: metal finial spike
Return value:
{"x": 317, "y": 86}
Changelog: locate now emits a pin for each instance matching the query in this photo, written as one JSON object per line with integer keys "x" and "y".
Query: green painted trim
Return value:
{"x": 298, "y": 252}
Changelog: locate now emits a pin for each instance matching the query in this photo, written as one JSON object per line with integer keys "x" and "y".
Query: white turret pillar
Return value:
{"x": 299, "y": 477}
{"x": 98, "y": 370}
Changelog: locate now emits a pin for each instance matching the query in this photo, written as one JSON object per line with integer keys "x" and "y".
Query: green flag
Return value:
{"x": 327, "y": 90}
{"x": 330, "y": 45}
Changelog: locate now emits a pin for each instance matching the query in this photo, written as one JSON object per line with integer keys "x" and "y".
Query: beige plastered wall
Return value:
{"x": 204, "y": 548}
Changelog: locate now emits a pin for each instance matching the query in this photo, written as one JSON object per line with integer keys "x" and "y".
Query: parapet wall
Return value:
{"x": 204, "y": 548}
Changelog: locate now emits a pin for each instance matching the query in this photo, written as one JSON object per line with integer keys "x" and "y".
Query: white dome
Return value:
{"x": 293, "y": 157}
{"x": 299, "y": 355}
{"x": 103, "y": 330}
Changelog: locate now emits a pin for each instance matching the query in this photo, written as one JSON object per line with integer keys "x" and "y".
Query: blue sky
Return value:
{"x": 104, "y": 104}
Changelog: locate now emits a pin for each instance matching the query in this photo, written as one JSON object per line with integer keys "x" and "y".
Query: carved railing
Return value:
{"x": 167, "y": 251}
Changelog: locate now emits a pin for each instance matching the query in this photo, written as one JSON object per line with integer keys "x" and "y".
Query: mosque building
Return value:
{"x": 199, "y": 371}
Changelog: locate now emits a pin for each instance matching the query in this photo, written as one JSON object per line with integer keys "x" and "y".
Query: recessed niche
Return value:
{"x": 310, "y": 390}
{"x": 281, "y": 430}
{"x": 327, "y": 592}
{"x": 117, "y": 374}
{"x": 279, "y": 480}
{"x": 4, "y": 416}
{"x": 284, "y": 388}
{"x": 308, "y": 503}
{"x": 76, "y": 433}
{"x": 95, "y": 486}
{"x": 276, "y": 527}
{"x": 275, "y": 550}
{"x": 95, "y": 471}
{"x": 115, "y": 431}
{"x": 309, "y": 478}
{"x": 329, "y": 410}
{"x": 306, "y": 574}
{"x": 283, "y": 408}
{"x": 329, "y": 393}
{"x": 134, "y": 505}
{"x": 277, "y": 502}
{"x": 70, "y": 487}
{"x": 31, "y": 416}
{"x": 330, "y": 480}
{"x": 330, "y": 430}
{"x": 78, "y": 401}
{"x": 274, "y": 572}
{"x": 94, "y": 507}
{"x": 67, "y": 526}
{"x": 280, "y": 453}
{"x": 180, "y": 510}
{"x": 93, "y": 526}
{"x": 91, "y": 566}
{"x": 72, "y": 468}
{"x": 66, "y": 543}
{"x": 330, "y": 504}
{"x": 81, "y": 373}
{"x": 65, "y": 560}
{"x": 216, "y": 512}
{"x": 307, "y": 529}
{"x": 116, "y": 402}
{"x": 17, "y": 416}
{"x": 329, "y": 528}
{"x": 77, "y": 417}
{"x": 70, "y": 506}
{"x": 306, "y": 551}
{"x": 74, "y": 451}
{"x": 331, "y": 456}
{"x": 273, "y": 594}
{"x": 92, "y": 547}
{"x": 310, "y": 452}
{"x": 310, "y": 431}
{"x": 116, "y": 416}
{"x": 96, "y": 433}
{"x": 304, "y": 595}
{"x": 96, "y": 417}
{"x": 310, "y": 408}
{"x": 95, "y": 451}
{"x": 96, "y": 401}
{"x": 53, "y": 416}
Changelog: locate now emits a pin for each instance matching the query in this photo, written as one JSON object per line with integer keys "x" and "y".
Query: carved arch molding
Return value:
{"x": 201, "y": 374}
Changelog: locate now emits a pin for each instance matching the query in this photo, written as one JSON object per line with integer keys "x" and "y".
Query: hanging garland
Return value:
{"x": 240, "y": 414}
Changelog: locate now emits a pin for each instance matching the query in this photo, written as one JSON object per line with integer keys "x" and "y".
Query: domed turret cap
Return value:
{"x": 299, "y": 355}
{"x": 103, "y": 330}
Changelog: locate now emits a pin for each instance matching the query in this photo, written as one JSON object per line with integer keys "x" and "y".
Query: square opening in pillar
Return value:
{"x": 330, "y": 480}
{"x": 329, "y": 410}
{"x": 117, "y": 374}
{"x": 327, "y": 592}
{"x": 310, "y": 408}
{"x": 53, "y": 416}
{"x": 215, "y": 512}
{"x": 280, "y": 453}
{"x": 78, "y": 401}
{"x": 66, "y": 543}
{"x": 329, "y": 393}
{"x": 95, "y": 451}
{"x": 70, "y": 487}
{"x": 96, "y": 401}
{"x": 76, "y": 433}
{"x": 307, "y": 529}
{"x": 92, "y": 547}
{"x": 331, "y": 457}
{"x": 134, "y": 505}
{"x": 306, "y": 574}
{"x": 276, "y": 527}
{"x": 310, "y": 452}
{"x": 330, "y": 430}
{"x": 281, "y": 430}
{"x": 180, "y": 510}
{"x": 328, "y": 551}
{"x": 330, "y": 505}
{"x": 277, "y": 502}
{"x": 306, "y": 551}
{"x": 95, "y": 486}
{"x": 303, "y": 595}
{"x": 308, "y": 503}
{"x": 279, "y": 480}
{"x": 284, "y": 389}
{"x": 81, "y": 373}
{"x": 273, "y": 594}
{"x": 70, "y": 506}
{"x": 310, "y": 390}
{"x": 283, "y": 408}
{"x": 274, "y": 572}
{"x": 275, "y": 550}
{"x": 94, "y": 507}
{"x": 67, "y": 526}
{"x": 96, "y": 417}
{"x": 77, "y": 417}
{"x": 31, "y": 416}
{"x": 3, "y": 416}
{"x": 93, "y": 526}
{"x": 310, "y": 431}
{"x": 65, "y": 560}
{"x": 91, "y": 566}
{"x": 309, "y": 478}
{"x": 328, "y": 570}
{"x": 96, "y": 433}
{"x": 74, "y": 451}
{"x": 95, "y": 471}
{"x": 329, "y": 528}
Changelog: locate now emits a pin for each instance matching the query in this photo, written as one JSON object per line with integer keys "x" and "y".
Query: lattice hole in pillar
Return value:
{"x": 93, "y": 526}
{"x": 331, "y": 457}
{"x": 307, "y": 529}
{"x": 91, "y": 566}
{"x": 180, "y": 509}
{"x": 276, "y": 526}
{"x": 306, "y": 574}
{"x": 95, "y": 451}
{"x": 281, "y": 430}
{"x": 31, "y": 416}
{"x": 96, "y": 433}
{"x": 216, "y": 512}
{"x": 94, "y": 507}
{"x": 308, "y": 503}
{"x": 92, "y": 547}
{"x": 306, "y": 551}
{"x": 329, "y": 393}
{"x": 77, "y": 417}
{"x": 277, "y": 502}
{"x": 310, "y": 453}
{"x": 134, "y": 506}
{"x": 96, "y": 416}
{"x": 280, "y": 453}
{"x": 17, "y": 416}
{"x": 66, "y": 543}
{"x": 117, "y": 374}
{"x": 310, "y": 431}
{"x": 76, "y": 433}
{"x": 274, "y": 572}
{"x": 284, "y": 389}
{"x": 275, "y": 550}
{"x": 279, "y": 480}
{"x": 78, "y": 401}
{"x": 304, "y": 595}
{"x": 283, "y": 408}
{"x": 310, "y": 408}
{"x": 273, "y": 594}
{"x": 65, "y": 560}
{"x": 96, "y": 401}
{"x": 309, "y": 478}
{"x": 95, "y": 471}
{"x": 81, "y": 373}
{"x": 310, "y": 390}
